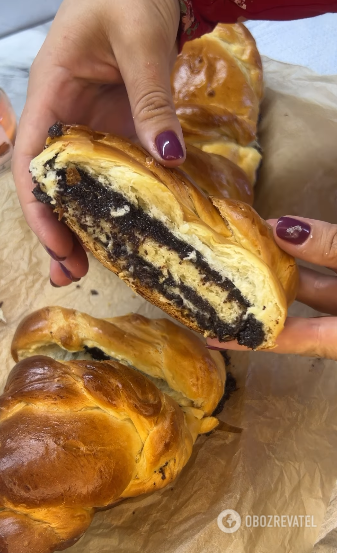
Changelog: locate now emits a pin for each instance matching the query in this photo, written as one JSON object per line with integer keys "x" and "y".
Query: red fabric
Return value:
{"x": 201, "y": 16}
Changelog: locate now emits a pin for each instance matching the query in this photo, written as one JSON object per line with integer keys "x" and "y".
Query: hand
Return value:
{"x": 105, "y": 64}
{"x": 316, "y": 242}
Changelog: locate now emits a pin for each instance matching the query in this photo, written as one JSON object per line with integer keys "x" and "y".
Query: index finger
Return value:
{"x": 30, "y": 141}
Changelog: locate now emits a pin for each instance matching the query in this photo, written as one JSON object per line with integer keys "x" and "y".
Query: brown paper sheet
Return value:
{"x": 282, "y": 463}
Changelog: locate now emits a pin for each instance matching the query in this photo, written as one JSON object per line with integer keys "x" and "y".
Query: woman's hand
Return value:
{"x": 316, "y": 242}
{"x": 105, "y": 64}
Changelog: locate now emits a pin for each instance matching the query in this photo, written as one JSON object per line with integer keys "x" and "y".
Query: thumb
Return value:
{"x": 146, "y": 75}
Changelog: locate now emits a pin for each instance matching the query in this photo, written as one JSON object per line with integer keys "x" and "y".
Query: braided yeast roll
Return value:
{"x": 76, "y": 436}
{"x": 210, "y": 263}
{"x": 172, "y": 356}
{"x": 217, "y": 85}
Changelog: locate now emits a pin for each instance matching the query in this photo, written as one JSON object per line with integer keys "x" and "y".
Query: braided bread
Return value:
{"x": 80, "y": 435}
{"x": 217, "y": 86}
{"x": 170, "y": 354}
{"x": 167, "y": 239}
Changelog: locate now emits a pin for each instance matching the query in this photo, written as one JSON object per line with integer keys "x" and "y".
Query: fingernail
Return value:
{"x": 53, "y": 284}
{"x": 168, "y": 146}
{"x": 293, "y": 230}
{"x": 68, "y": 273}
{"x": 213, "y": 347}
{"x": 53, "y": 254}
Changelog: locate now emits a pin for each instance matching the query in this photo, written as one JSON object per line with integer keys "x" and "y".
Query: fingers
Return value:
{"x": 308, "y": 239}
{"x": 318, "y": 291}
{"x": 145, "y": 68}
{"x": 71, "y": 269}
{"x": 54, "y": 236}
{"x": 315, "y": 337}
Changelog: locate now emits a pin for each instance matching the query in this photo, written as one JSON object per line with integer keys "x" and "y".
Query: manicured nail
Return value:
{"x": 168, "y": 146}
{"x": 68, "y": 274}
{"x": 293, "y": 230}
{"x": 214, "y": 347}
{"x": 53, "y": 254}
{"x": 53, "y": 284}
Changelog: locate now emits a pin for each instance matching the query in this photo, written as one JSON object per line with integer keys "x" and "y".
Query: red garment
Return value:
{"x": 201, "y": 16}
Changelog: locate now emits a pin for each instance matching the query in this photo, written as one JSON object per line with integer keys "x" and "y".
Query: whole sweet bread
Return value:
{"x": 209, "y": 262}
{"x": 217, "y": 85}
{"x": 77, "y": 435}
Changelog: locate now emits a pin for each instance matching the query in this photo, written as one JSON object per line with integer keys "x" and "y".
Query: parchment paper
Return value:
{"x": 283, "y": 461}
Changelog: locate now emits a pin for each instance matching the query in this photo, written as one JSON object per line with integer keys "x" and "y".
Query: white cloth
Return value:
{"x": 309, "y": 42}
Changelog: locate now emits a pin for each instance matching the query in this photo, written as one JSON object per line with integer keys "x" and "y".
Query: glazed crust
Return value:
{"x": 181, "y": 201}
{"x": 156, "y": 347}
{"x": 216, "y": 175}
{"x": 78, "y": 436}
{"x": 217, "y": 85}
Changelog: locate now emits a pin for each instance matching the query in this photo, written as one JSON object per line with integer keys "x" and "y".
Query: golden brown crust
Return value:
{"x": 158, "y": 348}
{"x": 216, "y": 175}
{"x": 217, "y": 85}
{"x": 247, "y": 158}
{"x": 242, "y": 45}
{"x": 77, "y": 436}
{"x": 22, "y": 534}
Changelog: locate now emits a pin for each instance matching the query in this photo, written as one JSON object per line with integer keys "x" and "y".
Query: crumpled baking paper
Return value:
{"x": 279, "y": 461}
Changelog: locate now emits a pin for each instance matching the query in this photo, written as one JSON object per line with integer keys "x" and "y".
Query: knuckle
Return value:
{"x": 317, "y": 342}
{"x": 322, "y": 346}
{"x": 329, "y": 247}
{"x": 153, "y": 105}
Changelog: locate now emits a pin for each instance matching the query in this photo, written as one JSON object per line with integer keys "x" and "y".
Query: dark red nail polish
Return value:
{"x": 168, "y": 146}
{"x": 53, "y": 255}
{"x": 68, "y": 274}
{"x": 53, "y": 284}
{"x": 214, "y": 347}
{"x": 292, "y": 230}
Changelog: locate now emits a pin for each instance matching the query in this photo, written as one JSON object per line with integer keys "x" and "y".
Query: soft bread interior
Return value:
{"x": 226, "y": 289}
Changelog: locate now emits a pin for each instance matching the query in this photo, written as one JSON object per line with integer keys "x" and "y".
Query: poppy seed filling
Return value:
{"x": 92, "y": 203}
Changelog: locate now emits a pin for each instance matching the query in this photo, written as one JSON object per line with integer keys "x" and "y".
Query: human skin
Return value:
{"x": 105, "y": 64}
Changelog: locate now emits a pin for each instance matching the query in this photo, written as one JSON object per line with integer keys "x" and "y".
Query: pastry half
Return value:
{"x": 210, "y": 263}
